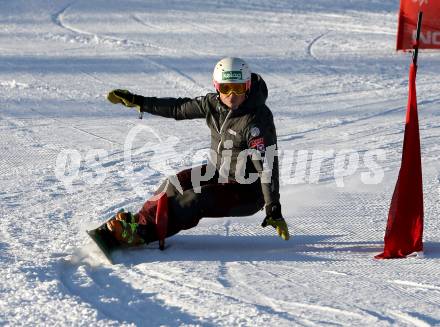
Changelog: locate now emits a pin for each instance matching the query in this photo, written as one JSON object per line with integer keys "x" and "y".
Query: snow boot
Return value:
{"x": 125, "y": 228}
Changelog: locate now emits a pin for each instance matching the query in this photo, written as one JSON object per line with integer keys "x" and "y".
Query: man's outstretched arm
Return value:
{"x": 177, "y": 108}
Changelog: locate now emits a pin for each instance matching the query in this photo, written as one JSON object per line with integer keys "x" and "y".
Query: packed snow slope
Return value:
{"x": 335, "y": 84}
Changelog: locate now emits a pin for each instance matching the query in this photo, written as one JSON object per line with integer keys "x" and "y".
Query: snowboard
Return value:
{"x": 104, "y": 240}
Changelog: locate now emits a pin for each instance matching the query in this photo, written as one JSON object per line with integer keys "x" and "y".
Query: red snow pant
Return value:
{"x": 214, "y": 199}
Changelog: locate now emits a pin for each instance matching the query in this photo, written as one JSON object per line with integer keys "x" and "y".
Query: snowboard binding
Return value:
{"x": 125, "y": 228}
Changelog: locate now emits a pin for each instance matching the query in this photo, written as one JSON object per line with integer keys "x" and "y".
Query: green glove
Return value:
{"x": 276, "y": 220}
{"x": 126, "y": 98}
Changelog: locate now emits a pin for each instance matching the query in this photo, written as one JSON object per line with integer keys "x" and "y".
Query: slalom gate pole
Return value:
{"x": 416, "y": 45}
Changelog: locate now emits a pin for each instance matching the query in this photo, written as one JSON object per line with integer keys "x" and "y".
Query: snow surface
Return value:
{"x": 336, "y": 84}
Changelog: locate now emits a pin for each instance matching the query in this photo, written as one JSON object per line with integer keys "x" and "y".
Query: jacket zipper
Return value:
{"x": 220, "y": 131}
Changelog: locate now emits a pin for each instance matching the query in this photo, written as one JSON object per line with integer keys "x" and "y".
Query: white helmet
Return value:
{"x": 232, "y": 70}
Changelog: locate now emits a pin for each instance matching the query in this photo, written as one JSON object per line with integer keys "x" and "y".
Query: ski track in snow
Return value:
{"x": 58, "y": 18}
{"x": 334, "y": 81}
{"x": 311, "y": 53}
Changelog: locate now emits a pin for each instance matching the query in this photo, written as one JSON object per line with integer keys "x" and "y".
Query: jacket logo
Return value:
{"x": 232, "y": 75}
{"x": 255, "y": 131}
{"x": 257, "y": 144}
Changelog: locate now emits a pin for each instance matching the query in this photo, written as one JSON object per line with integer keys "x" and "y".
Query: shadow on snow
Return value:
{"x": 115, "y": 299}
{"x": 226, "y": 249}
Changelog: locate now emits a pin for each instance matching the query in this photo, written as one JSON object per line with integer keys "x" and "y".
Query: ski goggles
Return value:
{"x": 229, "y": 88}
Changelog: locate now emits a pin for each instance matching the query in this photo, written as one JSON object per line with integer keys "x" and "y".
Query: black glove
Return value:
{"x": 275, "y": 219}
{"x": 126, "y": 98}
{"x": 274, "y": 210}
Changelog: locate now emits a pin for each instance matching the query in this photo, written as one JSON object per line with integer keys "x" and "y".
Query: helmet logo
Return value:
{"x": 232, "y": 75}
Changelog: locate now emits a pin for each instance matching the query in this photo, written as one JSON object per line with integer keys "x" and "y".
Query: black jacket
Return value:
{"x": 250, "y": 126}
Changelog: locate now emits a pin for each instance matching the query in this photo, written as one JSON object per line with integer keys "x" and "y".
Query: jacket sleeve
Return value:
{"x": 262, "y": 138}
{"x": 177, "y": 108}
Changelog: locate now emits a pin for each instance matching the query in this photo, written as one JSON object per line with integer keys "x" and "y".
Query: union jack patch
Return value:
{"x": 257, "y": 144}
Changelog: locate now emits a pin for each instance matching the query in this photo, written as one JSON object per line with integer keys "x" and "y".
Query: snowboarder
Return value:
{"x": 230, "y": 184}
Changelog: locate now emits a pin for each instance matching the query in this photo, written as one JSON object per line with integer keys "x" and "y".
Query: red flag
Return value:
{"x": 430, "y": 32}
{"x": 405, "y": 219}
